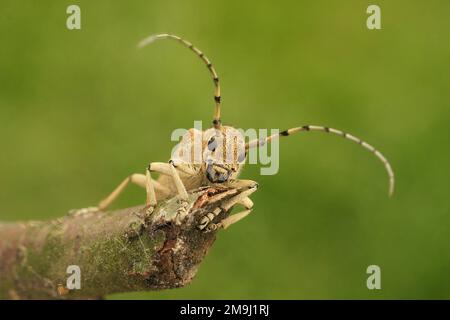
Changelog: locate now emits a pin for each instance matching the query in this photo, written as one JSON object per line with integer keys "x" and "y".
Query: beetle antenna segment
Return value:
{"x": 153, "y": 38}
{"x": 378, "y": 154}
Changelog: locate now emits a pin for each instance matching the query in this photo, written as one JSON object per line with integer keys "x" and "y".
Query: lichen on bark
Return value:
{"x": 120, "y": 251}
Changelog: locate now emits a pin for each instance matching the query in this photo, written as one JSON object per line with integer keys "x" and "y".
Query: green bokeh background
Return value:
{"x": 80, "y": 110}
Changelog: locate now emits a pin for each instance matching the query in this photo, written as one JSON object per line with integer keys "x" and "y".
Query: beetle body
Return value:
{"x": 213, "y": 157}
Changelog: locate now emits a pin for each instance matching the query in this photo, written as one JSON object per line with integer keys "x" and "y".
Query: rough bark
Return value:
{"x": 120, "y": 251}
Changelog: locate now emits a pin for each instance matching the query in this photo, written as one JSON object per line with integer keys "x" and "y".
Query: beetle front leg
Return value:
{"x": 170, "y": 170}
{"x": 150, "y": 188}
{"x": 242, "y": 198}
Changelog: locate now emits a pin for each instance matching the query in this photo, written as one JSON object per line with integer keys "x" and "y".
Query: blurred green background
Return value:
{"x": 80, "y": 110}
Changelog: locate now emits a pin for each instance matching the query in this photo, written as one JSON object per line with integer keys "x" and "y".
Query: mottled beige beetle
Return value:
{"x": 218, "y": 164}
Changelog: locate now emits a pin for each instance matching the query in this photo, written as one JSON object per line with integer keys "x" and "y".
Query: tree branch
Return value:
{"x": 125, "y": 250}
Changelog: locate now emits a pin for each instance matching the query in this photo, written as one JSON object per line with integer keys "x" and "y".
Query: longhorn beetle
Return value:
{"x": 177, "y": 177}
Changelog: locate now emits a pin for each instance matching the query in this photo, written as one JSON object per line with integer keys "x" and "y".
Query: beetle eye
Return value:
{"x": 212, "y": 144}
{"x": 241, "y": 157}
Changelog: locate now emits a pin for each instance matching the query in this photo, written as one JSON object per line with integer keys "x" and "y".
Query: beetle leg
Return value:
{"x": 137, "y": 179}
{"x": 241, "y": 198}
{"x": 242, "y": 184}
{"x": 228, "y": 221}
{"x": 170, "y": 170}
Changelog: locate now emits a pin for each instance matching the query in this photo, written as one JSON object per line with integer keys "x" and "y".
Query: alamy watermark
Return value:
{"x": 374, "y": 280}
{"x": 73, "y": 21}
{"x": 374, "y": 20}
{"x": 74, "y": 280}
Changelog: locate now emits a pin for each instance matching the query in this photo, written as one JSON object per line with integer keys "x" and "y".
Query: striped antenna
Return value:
{"x": 153, "y": 38}
{"x": 378, "y": 154}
